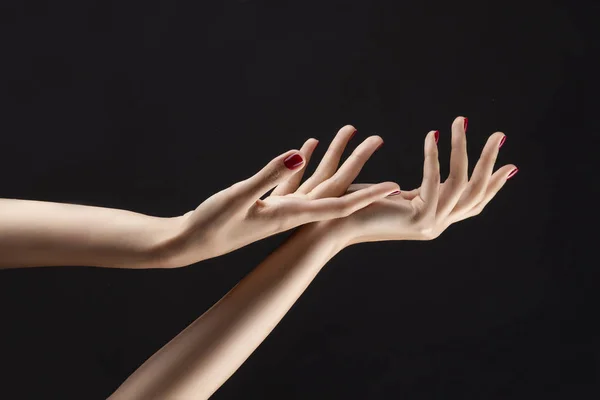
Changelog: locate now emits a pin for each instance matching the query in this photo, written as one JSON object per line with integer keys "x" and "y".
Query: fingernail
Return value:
{"x": 512, "y": 173}
{"x": 394, "y": 193}
{"x": 437, "y": 136}
{"x": 378, "y": 147}
{"x": 353, "y": 133}
{"x": 293, "y": 161}
{"x": 502, "y": 141}
{"x": 466, "y": 123}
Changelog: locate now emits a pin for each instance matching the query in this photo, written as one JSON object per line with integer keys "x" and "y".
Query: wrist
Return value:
{"x": 171, "y": 244}
{"x": 329, "y": 234}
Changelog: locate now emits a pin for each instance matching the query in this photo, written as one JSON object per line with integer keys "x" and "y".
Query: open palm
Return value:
{"x": 425, "y": 212}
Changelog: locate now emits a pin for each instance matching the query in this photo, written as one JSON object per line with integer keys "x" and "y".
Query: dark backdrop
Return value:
{"x": 154, "y": 106}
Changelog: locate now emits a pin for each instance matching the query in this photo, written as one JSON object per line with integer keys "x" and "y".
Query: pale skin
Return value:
{"x": 204, "y": 355}
{"x": 36, "y": 233}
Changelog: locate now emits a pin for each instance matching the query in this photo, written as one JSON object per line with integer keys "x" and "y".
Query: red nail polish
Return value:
{"x": 437, "y": 136}
{"x": 378, "y": 147}
{"x": 512, "y": 173}
{"x": 394, "y": 193}
{"x": 502, "y": 141}
{"x": 293, "y": 161}
{"x": 466, "y": 123}
{"x": 353, "y": 133}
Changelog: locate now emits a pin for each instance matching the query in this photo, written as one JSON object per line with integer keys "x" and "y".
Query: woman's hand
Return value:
{"x": 237, "y": 216}
{"x": 424, "y": 213}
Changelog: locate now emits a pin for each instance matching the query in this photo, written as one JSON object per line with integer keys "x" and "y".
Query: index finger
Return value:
{"x": 431, "y": 174}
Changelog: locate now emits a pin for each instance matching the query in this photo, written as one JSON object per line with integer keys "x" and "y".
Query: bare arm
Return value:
{"x": 38, "y": 233}
{"x": 203, "y": 356}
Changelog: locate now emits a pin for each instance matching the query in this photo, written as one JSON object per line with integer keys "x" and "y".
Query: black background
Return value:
{"x": 154, "y": 106}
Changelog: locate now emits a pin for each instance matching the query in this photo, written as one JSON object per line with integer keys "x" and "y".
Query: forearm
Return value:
{"x": 37, "y": 233}
{"x": 204, "y": 355}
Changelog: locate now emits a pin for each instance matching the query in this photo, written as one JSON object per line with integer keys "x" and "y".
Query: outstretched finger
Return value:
{"x": 429, "y": 192}
{"x": 458, "y": 178}
{"x": 340, "y": 181}
{"x": 496, "y": 183}
{"x": 330, "y": 161}
{"x": 476, "y": 188}
{"x": 338, "y": 207}
{"x": 292, "y": 183}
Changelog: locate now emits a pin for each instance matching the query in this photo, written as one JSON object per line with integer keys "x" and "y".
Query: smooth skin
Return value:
{"x": 37, "y": 233}
{"x": 203, "y": 356}
{"x": 237, "y": 216}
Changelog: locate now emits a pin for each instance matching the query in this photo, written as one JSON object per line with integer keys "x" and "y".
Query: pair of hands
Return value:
{"x": 330, "y": 204}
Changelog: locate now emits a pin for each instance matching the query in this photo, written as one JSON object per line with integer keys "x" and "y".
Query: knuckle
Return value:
{"x": 334, "y": 180}
{"x": 274, "y": 174}
{"x": 273, "y": 215}
{"x": 346, "y": 207}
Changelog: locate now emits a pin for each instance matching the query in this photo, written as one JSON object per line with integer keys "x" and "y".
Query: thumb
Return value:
{"x": 277, "y": 171}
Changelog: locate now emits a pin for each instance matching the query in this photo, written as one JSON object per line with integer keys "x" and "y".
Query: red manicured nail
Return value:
{"x": 502, "y": 141}
{"x": 351, "y": 136}
{"x": 466, "y": 123}
{"x": 437, "y": 136}
{"x": 512, "y": 173}
{"x": 394, "y": 193}
{"x": 378, "y": 147}
{"x": 293, "y": 161}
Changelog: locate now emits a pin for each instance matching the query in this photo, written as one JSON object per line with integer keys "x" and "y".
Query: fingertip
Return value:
{"x": 307, "y": 143}
{"x": 430, "y": 141}
{"x": 459, "y": 122}
{"x": 377, "y": 139}
{"x": 512, "y": 172}
{"x": 294, "y": 160}
{"x": 309, "y": 146}
{"x": 390, "y": 188}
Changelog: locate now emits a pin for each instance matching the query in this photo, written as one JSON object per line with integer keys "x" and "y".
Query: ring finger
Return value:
{"x": 475, "y": 190}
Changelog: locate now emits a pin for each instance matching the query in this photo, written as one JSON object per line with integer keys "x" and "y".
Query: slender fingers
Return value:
{"x": 496, "y": 183}
{"x": 458, "y": 178}
{"x": 429, "y": 192}
{"x": 330, "y": 161}
{"x": 337, "y": 184}
{"x": 475, "y": 189}
{"x": 290, "y": 185}
{"x": 337, "y": 207}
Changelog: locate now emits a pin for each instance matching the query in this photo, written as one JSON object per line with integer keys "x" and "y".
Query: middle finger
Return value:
{"x": 459, "y": 174}
{"x": 345, "y": 175}
{"x": 330, "y": 161}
